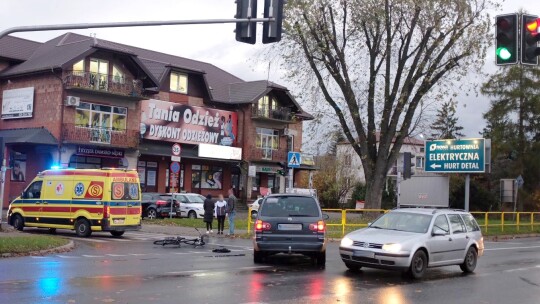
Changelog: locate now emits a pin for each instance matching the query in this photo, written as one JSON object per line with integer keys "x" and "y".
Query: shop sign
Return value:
{"x": 168, "y": 121}
{"x": 307, "y": 160}
{"x": 266, "y": 170}
{"x": 100, "y": 152}
{"x": 220, "y": 152}
{"x": 18, "y": 103}
{"x": 252, "y": 171}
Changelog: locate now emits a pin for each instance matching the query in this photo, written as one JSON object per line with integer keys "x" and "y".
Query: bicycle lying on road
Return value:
{"x": 179, "y": 240}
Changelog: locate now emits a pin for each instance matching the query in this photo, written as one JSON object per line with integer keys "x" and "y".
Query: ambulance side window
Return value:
{"x": 34, "y": 190}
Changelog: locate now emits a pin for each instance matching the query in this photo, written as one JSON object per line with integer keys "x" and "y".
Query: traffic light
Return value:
{"x": 283, "y": 170}
{"x": 529, "y": 39}
{"x": 246, "y": 31}
{"x": 272, "y": 30}
{"x": 506, "y": 30}
{"x": 408, "y": 164}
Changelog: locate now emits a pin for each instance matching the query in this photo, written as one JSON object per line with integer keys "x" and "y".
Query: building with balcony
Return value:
{"x": 82, "y": 102}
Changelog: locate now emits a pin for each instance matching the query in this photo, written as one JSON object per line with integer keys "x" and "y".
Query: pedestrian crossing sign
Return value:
{"x": 294, "y": 159}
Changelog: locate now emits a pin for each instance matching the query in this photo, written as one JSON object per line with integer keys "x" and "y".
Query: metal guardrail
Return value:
{"x": 488, "y": 221}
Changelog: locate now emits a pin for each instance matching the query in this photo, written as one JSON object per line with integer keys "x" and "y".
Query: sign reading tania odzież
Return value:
{"x": 455, "y": 155}
{"x": 168, "y": 121}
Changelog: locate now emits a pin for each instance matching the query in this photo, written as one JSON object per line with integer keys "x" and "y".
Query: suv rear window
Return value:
{"x": 287, "y": 206}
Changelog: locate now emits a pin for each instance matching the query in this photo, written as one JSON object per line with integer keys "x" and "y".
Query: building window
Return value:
{"x": 267, "y": 140}
{"x": 275, "y": 105}
{"x": 179, "y": 82}
{"x": 99, "y": 73}
{"x": 79, "y": 66}
{"x": 101, "y": 119}
{"x": 262, "y": 107}
{"x": 117, "y": 75}
{"x": 84, "y": 162}
{"x": 206, "y": 177}
{"x": 420, "y": 162}
{"x": 347, "y": 160}
{"x": 18, "y": 164}
{"x": 290, "y": 143}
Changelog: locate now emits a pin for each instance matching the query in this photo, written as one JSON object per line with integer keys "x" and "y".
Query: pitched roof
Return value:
{"x": 223, "y": 86}
{"x": 17, "y": 48}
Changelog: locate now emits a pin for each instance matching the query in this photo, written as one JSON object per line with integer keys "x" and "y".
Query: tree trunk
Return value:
{"x": 374, "y": 189}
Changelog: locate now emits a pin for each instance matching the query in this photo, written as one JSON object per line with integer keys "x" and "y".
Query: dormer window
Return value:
{"x": 262, "y": 107}
{"x": 117, "y": 75}
{"x": 178, "y": 82}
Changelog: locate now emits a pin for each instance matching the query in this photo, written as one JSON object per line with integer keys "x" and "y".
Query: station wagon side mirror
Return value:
{"x": 438, "y": 232}
{"x": 325, "y": 216}
{"x": 369, "y": 224}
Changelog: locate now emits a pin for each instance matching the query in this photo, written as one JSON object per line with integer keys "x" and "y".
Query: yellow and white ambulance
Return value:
{"x": 83, "y": 200}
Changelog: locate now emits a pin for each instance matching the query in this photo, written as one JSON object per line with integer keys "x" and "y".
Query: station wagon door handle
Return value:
{"x": 450, "y": 239}
{"x": 467, "y": 237}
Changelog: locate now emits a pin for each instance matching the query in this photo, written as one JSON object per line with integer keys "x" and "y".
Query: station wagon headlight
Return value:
{"x": 391, "y": 247}
{"x": 346, "y": 242}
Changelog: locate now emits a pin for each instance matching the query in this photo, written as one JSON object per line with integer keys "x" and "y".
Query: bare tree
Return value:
{"x": 375, "y": 61}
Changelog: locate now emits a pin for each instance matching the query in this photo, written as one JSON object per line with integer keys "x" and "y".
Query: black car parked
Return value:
{"x": 156, "y": 205}
{"x": 290, "y": 223}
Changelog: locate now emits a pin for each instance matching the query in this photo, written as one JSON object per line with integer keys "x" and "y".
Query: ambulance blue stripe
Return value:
{"x": 82, "y": 202}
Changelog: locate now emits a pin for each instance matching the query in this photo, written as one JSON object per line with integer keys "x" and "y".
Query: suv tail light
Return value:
{"x": 161, "y": 203}
{"x": 320, "y": 226}
{"x": 262, "y": 226}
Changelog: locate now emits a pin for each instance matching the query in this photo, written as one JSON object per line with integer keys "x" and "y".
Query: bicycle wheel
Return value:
{"x": 160, "y": 242}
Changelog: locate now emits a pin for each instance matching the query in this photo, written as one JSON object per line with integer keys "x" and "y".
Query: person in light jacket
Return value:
{"x": 221, "y": 212}
{"x": 208, "y": 206}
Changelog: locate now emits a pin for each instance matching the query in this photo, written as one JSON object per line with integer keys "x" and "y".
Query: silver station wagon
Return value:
{"x": 413, "y": 239}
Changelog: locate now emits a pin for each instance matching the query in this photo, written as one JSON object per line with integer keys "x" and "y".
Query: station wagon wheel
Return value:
{"x": 151, "y": 214}
{"x": 82, "y": 228}
{"x": 418, "y": 265}
{"x": 18, "y": 222}
{"x": 192, "y": 214}
{"x": 258, "y": 257}
{"x": 469, "y": 264}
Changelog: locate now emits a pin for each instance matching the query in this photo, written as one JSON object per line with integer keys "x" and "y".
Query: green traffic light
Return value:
{"x": 503, "y": 53}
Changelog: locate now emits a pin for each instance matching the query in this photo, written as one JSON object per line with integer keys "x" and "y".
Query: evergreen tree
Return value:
{"x": 513, "y": 124}
{"x": 446, "y": 125}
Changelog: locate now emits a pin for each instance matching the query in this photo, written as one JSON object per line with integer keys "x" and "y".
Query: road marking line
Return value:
{"x": 116, "y": 255}
{"x": 93, "y": 256}
{"x": 38, "y": 257}
{"x": 521, "y": 269}
{"x": 182, "y": 253}
{"x": 511, "y": 248}
{"x": 138, "y": 254}
{"x": 118, "y": 240}
{"x": 227, "y": 245}
{"x": 88, "y": 240}
{"x": 67, "y": 256}
{"x": 218, "y": 270}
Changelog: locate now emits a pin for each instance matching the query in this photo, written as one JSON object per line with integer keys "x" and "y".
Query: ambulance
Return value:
{"x": 83, "y": 200}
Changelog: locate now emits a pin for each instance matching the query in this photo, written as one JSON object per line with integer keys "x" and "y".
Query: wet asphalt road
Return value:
{"x": 133, "y": 270}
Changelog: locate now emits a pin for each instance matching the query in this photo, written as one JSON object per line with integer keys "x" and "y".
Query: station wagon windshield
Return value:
{"x": 400, "y": 221}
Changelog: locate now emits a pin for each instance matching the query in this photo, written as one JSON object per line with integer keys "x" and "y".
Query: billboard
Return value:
{"x": 18, "y": 103}
{"x": 168, "y": 121}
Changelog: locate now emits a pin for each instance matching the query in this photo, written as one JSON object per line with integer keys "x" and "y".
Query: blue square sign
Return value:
{"x": 294, "y": 159}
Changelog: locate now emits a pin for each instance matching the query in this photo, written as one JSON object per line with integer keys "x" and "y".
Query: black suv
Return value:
{"x": 156, "y": 205}
{"x": 290, "y": 223}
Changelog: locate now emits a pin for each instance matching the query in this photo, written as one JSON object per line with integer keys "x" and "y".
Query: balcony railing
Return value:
{"x": 79, "y": 134}
{"x": 103, "y": 83}
{"x": 254, "y": 153}
{"x": 282, "y": 114}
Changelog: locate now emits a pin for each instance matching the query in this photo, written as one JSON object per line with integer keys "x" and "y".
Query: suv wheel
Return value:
{"x": 321, "y": 258}
{"x": 192, "y": 215}
{"x": 418, "y": 265}
{"x": 469, "y": 264}
{"x": 151, "y": 213}
{"x": 258, "y": 257}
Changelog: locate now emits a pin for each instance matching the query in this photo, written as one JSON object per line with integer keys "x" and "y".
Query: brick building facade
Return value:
{"x": 81, "y": 102}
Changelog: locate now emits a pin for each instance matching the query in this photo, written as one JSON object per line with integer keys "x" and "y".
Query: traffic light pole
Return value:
{"x": 75, "y": 26}
{"x": 467, "y": 189}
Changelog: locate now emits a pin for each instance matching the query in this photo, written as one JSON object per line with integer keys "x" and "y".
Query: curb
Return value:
{"x": 495, "y": 238}
{"x": 65, "y": 248}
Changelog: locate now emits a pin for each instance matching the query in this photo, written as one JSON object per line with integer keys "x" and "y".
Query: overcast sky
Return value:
{"x": 211, "y": 43}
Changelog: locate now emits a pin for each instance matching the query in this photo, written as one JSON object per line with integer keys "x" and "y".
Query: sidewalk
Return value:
{"x": 182, "y": 231}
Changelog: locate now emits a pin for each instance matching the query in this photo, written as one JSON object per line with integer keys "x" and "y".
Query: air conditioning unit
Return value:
{"x": 286, "y": 132}
{"x": 73, "y": 101}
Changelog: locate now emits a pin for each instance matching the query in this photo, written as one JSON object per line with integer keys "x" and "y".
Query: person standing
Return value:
{"x": 231, "y": 206}
{"x": 208, "y": 206}
{"x": 221, "y": 212}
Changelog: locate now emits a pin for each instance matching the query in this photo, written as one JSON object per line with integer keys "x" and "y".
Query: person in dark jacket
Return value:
{"x": 208, "y": 206}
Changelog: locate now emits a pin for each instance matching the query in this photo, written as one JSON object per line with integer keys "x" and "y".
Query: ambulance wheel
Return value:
{"x": 18, "y": 222}
{"x": 117, "y": 233}
{"x": 82, "y": 228}
{"x": 52, "y": 230}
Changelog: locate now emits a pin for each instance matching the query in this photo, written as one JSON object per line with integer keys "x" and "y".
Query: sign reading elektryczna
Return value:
{"x": 455, "y": 155}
